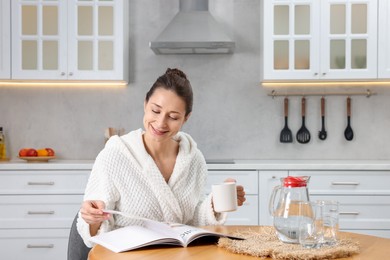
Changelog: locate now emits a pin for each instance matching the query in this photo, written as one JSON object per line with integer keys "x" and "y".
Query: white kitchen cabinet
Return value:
{"x": 384, "y": 39}
{"x": 69, "y": 40}
{"x": 248, "y": 213}
{"x": 364, "y": 198}
{"x": 327, "y": 40}
{"x": 38, "y": 203}
{"x": 5, "y": 48}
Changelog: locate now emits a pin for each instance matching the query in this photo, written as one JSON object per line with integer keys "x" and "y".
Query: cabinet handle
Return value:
{"x": 51, "y": 212}
{"x": 345, "y": 183}
{"x": 323, "y": 74}
{"x": 40, "y": 246}
{"x": 70, "y": 73}
{"x": 316, "y": 74}
{"x": 40, "y": 183}
{"x": 62, "y": 73}
{"x": 349, "y": 213}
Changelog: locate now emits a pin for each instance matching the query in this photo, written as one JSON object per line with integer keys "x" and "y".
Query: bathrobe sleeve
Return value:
{"x": 101, "y": 187}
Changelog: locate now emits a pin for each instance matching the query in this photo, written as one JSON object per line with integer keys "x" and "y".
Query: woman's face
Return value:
{"x": 164, "y": 115}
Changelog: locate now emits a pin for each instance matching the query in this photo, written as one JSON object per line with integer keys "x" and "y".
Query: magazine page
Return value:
{"x": 133, "y": 237}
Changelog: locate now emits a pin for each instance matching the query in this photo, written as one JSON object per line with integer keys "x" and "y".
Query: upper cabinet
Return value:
{"x": 5, "y": 58}
{"x": 327, "y": 39}
{"x": 68, "y": 40}
{"x": 384, "y": 39}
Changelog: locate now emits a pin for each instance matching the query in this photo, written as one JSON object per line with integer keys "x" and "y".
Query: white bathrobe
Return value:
{"x": 127, "y": 179}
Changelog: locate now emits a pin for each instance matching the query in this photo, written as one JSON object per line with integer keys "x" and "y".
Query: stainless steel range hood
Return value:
{"x": 193, "y": 30}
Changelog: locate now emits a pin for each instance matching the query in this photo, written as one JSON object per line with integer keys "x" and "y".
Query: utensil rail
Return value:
{"x": 367, "y": 93}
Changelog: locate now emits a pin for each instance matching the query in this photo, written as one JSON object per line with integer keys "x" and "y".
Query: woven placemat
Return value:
{"x": 264, "y": 243}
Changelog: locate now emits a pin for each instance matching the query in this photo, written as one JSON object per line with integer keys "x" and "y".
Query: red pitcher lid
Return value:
{"x": 295, "y": 181}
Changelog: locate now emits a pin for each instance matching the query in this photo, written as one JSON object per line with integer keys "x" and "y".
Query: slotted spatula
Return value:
{"x": 286, "y": 135}
{"x": 303, "y": 134}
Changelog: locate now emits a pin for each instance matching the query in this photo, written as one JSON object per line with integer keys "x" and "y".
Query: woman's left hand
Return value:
{"x": 240, "y": 192}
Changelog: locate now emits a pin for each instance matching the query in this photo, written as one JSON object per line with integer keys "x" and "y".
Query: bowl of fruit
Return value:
{"x": 37, "y": 155}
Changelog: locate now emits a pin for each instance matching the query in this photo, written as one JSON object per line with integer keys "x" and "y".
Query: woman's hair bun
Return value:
{"x": 176, "y": 72}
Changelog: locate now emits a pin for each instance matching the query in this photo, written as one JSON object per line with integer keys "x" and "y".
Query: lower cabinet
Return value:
{"x": 38, "y": 206}
{"x": 364, "y": 198}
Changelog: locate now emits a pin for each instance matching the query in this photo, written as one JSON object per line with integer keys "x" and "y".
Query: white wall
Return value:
{"x": 233, "y": 117}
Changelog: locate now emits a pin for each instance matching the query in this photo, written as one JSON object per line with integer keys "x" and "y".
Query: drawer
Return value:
{"x": 43, "y": 182}
{"x": 34, "y": 244}
{"x": 361, "y": 212}
{"x": 248, "y": 179}
{"x": 247, "y": 214}
{"x": 347, "y": 182}
{"x": 38, "y": 211}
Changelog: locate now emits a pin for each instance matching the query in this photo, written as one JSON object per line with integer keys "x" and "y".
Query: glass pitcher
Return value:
{"x": 287, "y": 213}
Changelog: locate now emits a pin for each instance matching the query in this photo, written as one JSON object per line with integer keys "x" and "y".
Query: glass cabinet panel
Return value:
{"x": 337, "y": 54}
{"x": 281, "y": 20}
{"x": 50, "y": 20}
{"x": 281, "y": 55}
{"x": 359, "y": 19}
{"x": 29, "y": 55}
{"x": 29, "y": 20}
{"x": 85, "y": 20}
{"x": 358, "y": 54}
{"x": 338, "y": 19}
{"x": 302, "y": 19}
{"x": 85, "y": 55}
{"x": 106, "y": 20}
{"x": 302, "y": 55}
{"x": 50, "y": 55}
{"x": 106, "y": 55}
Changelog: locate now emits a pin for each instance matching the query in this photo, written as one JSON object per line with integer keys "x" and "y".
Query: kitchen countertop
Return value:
{"x": 224, "y": 164}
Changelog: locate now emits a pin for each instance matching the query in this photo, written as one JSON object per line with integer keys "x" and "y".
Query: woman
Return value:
{"x": 156, "y": 173}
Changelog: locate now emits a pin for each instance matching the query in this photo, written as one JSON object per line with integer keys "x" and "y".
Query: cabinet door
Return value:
{"x": 5, "y": 58}
{"x": 384, "y": 39}
{"x": 349, "y": 39}
{"x": 39, "y": 39}
{"x": 291, "y": 39}
{"x": 96, "y": 39}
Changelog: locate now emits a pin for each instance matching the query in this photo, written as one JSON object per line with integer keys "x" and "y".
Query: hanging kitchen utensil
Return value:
{"x": 322, "y": 134}
{"x": 348, "y": 133}
{"x": 286, "y": 135}
{"x": 303, "y": 134}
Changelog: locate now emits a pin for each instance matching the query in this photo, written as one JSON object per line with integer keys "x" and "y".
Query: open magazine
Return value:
{"x": 152, "y": 233}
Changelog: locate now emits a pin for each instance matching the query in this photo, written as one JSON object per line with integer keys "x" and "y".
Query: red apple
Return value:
{"x": 23, "y": 152}
{"x": 50, "y": 152}
{"x": 31, "y": 152}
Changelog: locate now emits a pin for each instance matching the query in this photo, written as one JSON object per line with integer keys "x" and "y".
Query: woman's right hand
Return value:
{"x": 92, "y": 213}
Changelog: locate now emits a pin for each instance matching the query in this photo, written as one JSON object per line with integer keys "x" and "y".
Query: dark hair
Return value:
{"x": 176, "y": 81}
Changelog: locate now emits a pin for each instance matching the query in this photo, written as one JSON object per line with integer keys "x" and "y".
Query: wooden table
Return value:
{"x": 371, "y": 248}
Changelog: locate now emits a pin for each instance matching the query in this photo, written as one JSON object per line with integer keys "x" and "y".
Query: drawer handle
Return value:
{"x": 51, "y": 212}
{"x": 40, "y": 183}
{"x": 345, "y": 183}
{"x": 349, "y": 213}
{"x": 40, "y": 246}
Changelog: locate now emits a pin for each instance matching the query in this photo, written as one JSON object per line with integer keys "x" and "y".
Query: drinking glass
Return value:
{"x": 330, "y": 217}
{"x": 310, "y": 225}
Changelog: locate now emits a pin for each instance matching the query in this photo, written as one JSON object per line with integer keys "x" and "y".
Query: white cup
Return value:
{"x": 224, "y": 197}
